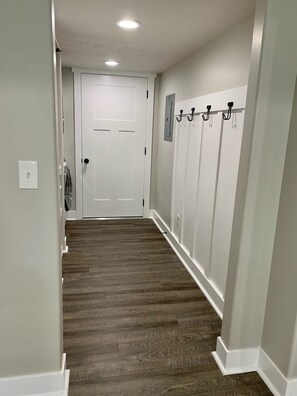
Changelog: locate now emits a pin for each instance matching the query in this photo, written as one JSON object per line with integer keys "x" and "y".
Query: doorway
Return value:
{"x": 113, "y": 153}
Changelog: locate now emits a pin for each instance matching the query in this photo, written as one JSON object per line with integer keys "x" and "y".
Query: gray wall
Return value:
{"x": 256, "y": 248}
{"x": 69, "y": 140}
{"x": 221, "y": 64}
{"x": 30, "y": 254}
{"x": 281, "y": 306}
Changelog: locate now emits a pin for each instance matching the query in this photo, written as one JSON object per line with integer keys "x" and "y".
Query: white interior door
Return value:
{"x": 113, "y": 141}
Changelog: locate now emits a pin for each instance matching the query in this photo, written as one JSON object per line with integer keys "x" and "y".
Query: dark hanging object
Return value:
{"x": 191, "y": 117}
{"x": 67, "y": 189}
{"x": 206, "y": 118}
{"x": 180, "y": 117}
{"x": 228, "y": 116}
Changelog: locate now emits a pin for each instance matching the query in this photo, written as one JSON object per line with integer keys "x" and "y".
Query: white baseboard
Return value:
{"x": 44, "y": 384}
{"x": 65, "y": 247}
{"x": 236, "y": 361}
{"x": 274, "y": 378}
{"x": 70, "y": 215}
{"x": 254, "y": 359}
{"x": 206, "y": 287}
{"x": 151, "y": 214}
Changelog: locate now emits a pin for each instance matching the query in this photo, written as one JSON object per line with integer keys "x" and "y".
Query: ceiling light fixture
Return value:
{"x": 111, "y": 63}
{"x": 128, "y": 24}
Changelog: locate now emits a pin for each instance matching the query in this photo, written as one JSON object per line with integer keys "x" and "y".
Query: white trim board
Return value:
{"x": 208, "y": 289}
{"x": 114, "y": 72}
{"x": 151, "y": 214}
{"x": 65, "y": 247}
{"x": 78, "y": 132}
{"x": 274, "y": 378}
{"x": 254, "y": 359}
{"x": 236, "y": 361}
{"x": 44, "y": 384}
{"x": 217, "y": 100}
{"x": 71, "y": 215}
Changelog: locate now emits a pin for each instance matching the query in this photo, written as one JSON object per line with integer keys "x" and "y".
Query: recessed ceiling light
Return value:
{"x": 111, "y": 63}
{"x": 128, "y": 24}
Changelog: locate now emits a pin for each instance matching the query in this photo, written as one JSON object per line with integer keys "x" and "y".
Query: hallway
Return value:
{"x": 134, "y": 320}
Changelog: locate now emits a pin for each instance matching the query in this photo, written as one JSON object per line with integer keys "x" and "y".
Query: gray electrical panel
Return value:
{"x": 169, "y": 117}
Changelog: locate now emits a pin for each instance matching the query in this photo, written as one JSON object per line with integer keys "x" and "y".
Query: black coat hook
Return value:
{"x": 206, "y": 118}
{"x": 228, "y": 116}
{"x": 180, "y": 117}
{"x": 191, "y": 117}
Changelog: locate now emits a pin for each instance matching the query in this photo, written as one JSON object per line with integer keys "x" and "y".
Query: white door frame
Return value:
{"x": 78, "y": 133}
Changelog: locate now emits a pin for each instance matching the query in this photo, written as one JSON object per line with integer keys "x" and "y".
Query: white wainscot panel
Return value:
{"x": 181, "y": 147}
{"x": 226, "y": 190}
{"x": 192, "y": 174}
{"x": 206, "y": 161}
{"x": 210, "y": 148}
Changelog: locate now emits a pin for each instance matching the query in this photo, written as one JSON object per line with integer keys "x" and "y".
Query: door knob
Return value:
{"x": 86, "y": 160}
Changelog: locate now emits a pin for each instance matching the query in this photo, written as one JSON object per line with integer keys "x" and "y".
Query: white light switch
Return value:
{"x": 28, "y": 174}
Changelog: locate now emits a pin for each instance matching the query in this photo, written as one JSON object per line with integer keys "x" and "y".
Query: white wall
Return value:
{"x": 221, "y": 64}
{"x": 69, "y": 140}
{"x": 30, "y": 255}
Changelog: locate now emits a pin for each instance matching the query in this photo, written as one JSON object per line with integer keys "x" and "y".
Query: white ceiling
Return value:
{"x": 171, "y": 30}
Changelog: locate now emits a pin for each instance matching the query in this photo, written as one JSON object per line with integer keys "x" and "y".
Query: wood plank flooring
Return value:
{"x": 135, "y": 323}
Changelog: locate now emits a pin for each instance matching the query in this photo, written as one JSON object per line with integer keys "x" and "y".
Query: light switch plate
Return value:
{"x": 28, "y": 175}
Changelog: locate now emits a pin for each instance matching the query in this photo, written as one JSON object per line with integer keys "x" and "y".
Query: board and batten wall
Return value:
{"x": 30, "y": 251}
{"x": 221, "y": 64}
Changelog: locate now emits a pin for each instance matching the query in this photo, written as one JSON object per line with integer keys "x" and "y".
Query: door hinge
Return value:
{"x": 147, "y": 93}
{"x": 145, "y": 151}
{"x": 143, "y": 202}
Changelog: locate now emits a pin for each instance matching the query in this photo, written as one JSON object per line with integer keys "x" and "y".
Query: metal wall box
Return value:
{"x": 169, "y": 117}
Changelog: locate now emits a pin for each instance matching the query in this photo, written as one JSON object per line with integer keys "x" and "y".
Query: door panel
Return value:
{"x": 126, "y": 164}
{"x": 114, "y": 102}
{"x": 101, "y": 159}
{"x": 113, "y": 139}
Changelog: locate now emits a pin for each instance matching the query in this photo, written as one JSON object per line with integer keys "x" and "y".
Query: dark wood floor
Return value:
{"x": 135, "y": 323}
